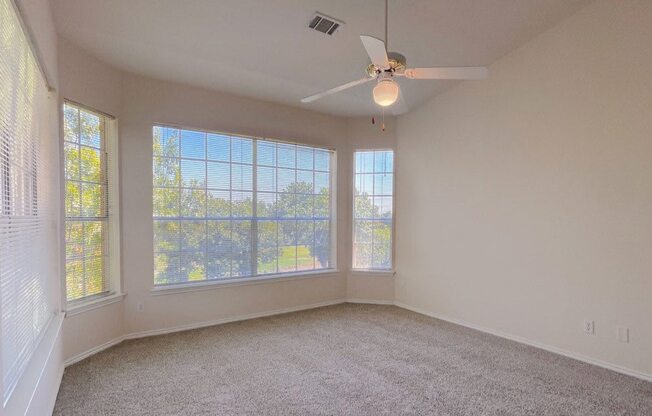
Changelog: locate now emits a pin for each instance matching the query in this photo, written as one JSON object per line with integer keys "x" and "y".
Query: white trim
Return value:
{"x": 370, "y": 301}
{"x": 53, "y": 335}
{"x": 93, "y": 351}
{"x": 216, "y": 284}
{"x": 74, "y": 309}
{"x": 373, "y": 273}
{"x": 594, "y": 361}
{"x": 185, "y": 327}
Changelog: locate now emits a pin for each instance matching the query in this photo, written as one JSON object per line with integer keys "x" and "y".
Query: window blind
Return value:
{"x": 86, "y": 203}
{"x": 373, "y": 210}
{"x": 227, "y": 206}
{"x": 27, "y": 235}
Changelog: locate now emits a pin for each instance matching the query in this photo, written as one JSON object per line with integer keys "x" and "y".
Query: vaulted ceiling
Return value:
{"x": 263, "y": 48}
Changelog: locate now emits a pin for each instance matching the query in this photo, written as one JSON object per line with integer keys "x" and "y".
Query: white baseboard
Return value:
{"x": 82, "y": 355}
{"x": 370, "y": 301}
{"x": 609, "y": 366}
{"x": 196, "y": 325}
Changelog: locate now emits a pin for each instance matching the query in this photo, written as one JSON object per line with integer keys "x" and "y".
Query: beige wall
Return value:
{"x": 145, "y": 102}
{"x": 529, "y": 197}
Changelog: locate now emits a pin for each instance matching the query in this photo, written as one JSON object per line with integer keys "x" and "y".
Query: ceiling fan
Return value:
{"x": 385, "y": 66}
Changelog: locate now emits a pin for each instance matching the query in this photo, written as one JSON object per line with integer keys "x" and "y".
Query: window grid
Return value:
{"x": 243, "y": 213}
{"x": 86, "y": 207}
{"x": 373, "y": 210}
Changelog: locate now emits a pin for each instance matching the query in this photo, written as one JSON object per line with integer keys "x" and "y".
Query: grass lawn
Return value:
{"x": 292, "y": 259}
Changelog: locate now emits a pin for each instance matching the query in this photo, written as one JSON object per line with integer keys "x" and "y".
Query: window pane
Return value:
{"x": 193, "y": 144}
{"x": 242, "y": 177}
{"x": 193, "y": 173}
{"x": 193, "y": 235}
{"x": 70, "y": 124}
{"x": 287, "y": 156}
{"x": 219, "y": 147}
{"x": 373, "y": 210}
{"x": 364, "y": 162}
{"x": 90, "y": 129}
{"x": 166, "y": 142}
{"x": 219, "y": 175}
{"x": 166, "y": 202}
{"x": 286, "y": 179}
{"x": 266, "y": 179}
{"x": 167, "y": 236}
{"x": 322, "y": 183}
{"x": 241, "y": 248}
{"x": 91, "y": 164}
{"x": 71, "y": 154}
{"x": 205, "y": 203}
{"x": 241, "y": 150}
{"x": 266, "y": 154}
{"x": 193, "y": 203}
{"x": 166, "y": 171}
{"x": 322, "y": 160}
{"x": 193, "y": 266}
{"x": 219, "y": 204}
{"x": 266, "y": 205}
{"x": 305, "y": 158}
{"x": 304, "y": 182}
{"x": 86, "y": 203}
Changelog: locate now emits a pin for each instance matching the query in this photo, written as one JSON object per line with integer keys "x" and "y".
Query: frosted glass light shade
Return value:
{"x": 386, "y": 92}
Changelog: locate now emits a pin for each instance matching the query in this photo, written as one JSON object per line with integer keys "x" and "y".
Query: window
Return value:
{"x": 230, "y": 207}
{"x": 373, "y": 210}
{"x": 28, "y": 242}
{"x": 89, "y": 218}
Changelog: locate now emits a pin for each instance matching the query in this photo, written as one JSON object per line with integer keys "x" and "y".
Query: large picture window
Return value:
{"x": 373, "y": 210}
{"x": 88, "y": 214}
{"x": 227, "y": 206}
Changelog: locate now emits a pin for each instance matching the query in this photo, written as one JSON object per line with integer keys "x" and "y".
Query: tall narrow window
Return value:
{"x": 373, "y": 210}
{"x": 88, "y": 217}
{"x": 232, "y": 207}
{"x": 28, "y": 244}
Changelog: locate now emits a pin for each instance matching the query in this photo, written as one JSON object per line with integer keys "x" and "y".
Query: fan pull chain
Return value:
{"x": 383, "y": 126}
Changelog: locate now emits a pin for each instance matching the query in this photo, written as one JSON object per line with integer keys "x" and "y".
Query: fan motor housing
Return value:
{"x": 397, "y": 63}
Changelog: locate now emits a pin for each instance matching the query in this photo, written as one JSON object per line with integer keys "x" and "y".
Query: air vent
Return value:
{"x": 324, "y": 24}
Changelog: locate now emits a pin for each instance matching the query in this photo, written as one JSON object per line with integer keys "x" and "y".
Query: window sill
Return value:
{"x": 377, "y": 273}
{"x": 245, "y": 281}
{"x": 85, "y": 306}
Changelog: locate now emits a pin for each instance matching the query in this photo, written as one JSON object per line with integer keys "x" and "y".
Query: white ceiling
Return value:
{"x": 263, "y": 48}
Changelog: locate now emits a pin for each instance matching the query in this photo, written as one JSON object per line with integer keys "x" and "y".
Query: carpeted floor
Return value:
{"x": 342, "y": 360}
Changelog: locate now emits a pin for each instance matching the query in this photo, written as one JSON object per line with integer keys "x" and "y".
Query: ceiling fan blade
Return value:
{"x": 376, "y": 51}
{"x": 334, "y": 90}
{"x": 460, "y": 72}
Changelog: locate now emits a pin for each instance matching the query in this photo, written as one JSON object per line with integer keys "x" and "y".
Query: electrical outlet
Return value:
{"x": 623, "y": 334}
{"x": 589, "y": 327}
{"x": 140, "y": 307}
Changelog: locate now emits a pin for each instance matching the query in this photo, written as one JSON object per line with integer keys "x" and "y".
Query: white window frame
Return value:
{"x": 374, "y": 272}
{"x": 164, "y": 289}
{"x": 113, "y": 277}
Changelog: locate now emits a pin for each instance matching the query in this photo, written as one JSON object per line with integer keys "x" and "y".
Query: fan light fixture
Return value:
{"x": 386, "y": 92}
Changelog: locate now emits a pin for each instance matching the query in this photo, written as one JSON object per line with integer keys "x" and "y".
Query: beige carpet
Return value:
{"x": 342, "y": 360}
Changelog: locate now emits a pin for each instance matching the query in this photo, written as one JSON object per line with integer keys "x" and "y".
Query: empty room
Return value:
{"x": 326, "y": 207}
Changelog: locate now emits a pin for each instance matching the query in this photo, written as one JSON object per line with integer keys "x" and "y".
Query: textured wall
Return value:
{"x": 529, "y": 194}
